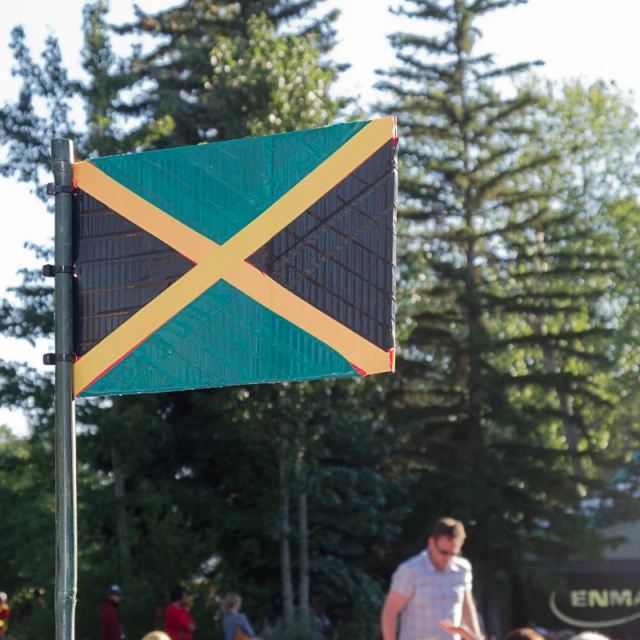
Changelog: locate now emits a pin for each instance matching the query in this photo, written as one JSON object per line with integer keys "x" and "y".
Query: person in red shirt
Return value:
{"x": 110, "y": 625}
{"x": 5, "y": 612}
{"x": 178, "y": 623}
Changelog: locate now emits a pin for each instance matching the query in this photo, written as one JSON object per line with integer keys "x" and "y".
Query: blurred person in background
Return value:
{"x": 320, "y": 621}
{"x": 465, "y": 633}
{"x": 235, "y": 625}
{"x": 435, "y": 585}
{"x": 178, "y": 623}
{"x": 589, "y": 635}
{"x": 34, "y": 603}
{"x": 5, "y": 612}
{"x": 110, "y": 624}
{"x": 156, "y": 635}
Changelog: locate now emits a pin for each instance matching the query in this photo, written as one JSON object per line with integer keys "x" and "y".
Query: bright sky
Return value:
{"x": 590, "y": 39}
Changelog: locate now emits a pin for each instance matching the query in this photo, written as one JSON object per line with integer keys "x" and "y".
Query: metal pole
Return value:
{"x": 65, "y": 437}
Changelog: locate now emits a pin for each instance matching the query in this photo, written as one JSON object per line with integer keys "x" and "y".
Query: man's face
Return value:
{"x": 442, "y": 550}
{"x": 115, "y": 598}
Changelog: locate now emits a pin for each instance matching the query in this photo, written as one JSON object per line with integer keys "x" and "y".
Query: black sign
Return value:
{"x": 598, "y": 601}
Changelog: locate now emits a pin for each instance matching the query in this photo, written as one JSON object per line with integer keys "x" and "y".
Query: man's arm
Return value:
{"x": 451, "y": 628}
{"x": 394, "y": 604}
{"x": 470, "y": 615}
{"x": 245, "y": 625}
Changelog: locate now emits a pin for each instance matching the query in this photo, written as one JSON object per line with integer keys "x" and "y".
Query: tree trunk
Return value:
{"x": 124, "y": 544}
{"x": 303, "y": 532}
{"x": 285, "y": 548}
{"x": 474, "y": 311}
{"x": 303, "y": 524}
{"x": 566, "y": 406}
{"x": 551, "y": 364}
{"x": 565, "y": 400}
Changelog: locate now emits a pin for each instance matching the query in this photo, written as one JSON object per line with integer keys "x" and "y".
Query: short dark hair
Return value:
{"x": 449, "y": 528}
{"x": 176, "y": 593}
{"x": 523, "y": 633}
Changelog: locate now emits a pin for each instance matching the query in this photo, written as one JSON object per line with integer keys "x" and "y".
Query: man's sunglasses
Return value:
{"x": 446, "y": 554}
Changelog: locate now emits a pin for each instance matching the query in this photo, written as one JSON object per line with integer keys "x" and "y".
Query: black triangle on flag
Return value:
{"x": 119, "y": 268}
{"x": 339, "y": 255}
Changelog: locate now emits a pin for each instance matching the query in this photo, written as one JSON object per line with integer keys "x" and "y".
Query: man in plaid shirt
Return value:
{"x": 431, "y": 587}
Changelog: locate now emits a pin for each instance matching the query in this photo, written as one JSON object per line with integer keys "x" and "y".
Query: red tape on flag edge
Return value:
{"x": 256, "y": 268}
{"x": 103, "y": 373}
{"x": 362, "y": 372}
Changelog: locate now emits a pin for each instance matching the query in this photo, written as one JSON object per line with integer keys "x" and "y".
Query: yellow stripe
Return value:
{"x": 228, "y": 258}
{"x": 346, "y": 342}
{"x": 246, "y": 278}
{"x": 141, "y": 212}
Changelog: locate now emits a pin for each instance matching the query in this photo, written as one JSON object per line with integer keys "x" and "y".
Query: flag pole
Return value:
{"x": 65, "y": 439}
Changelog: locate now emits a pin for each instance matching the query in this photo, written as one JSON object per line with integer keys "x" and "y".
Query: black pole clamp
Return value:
{"x": 49, "y": 270}
{"x": 53, "y": 189}
{"x": 52, "y": 358}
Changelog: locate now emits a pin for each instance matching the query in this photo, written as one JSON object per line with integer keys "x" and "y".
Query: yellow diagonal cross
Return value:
{"x": 215, "y": 262}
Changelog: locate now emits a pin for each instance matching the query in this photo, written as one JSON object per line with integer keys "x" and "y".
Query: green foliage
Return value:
{"x": 179, "y": 95}
{"x": 28, "y": 504}
{"x": 263, "y": 83}
{"x": 517, "y": 392}
{"x": 508, "y": 263}
{"x": 201, "y": 472}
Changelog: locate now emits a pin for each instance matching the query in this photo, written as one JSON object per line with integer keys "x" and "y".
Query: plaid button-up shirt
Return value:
{"x": 433, "y": 596}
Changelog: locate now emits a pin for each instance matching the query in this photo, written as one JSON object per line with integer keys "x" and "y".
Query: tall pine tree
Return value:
{"x": 502, "y": 309}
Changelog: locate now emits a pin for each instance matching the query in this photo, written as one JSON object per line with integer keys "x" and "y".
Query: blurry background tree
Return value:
{"x": 509, "y": 259}
{"x": 183, "y": 486}
{"x": 516, "y": 392}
